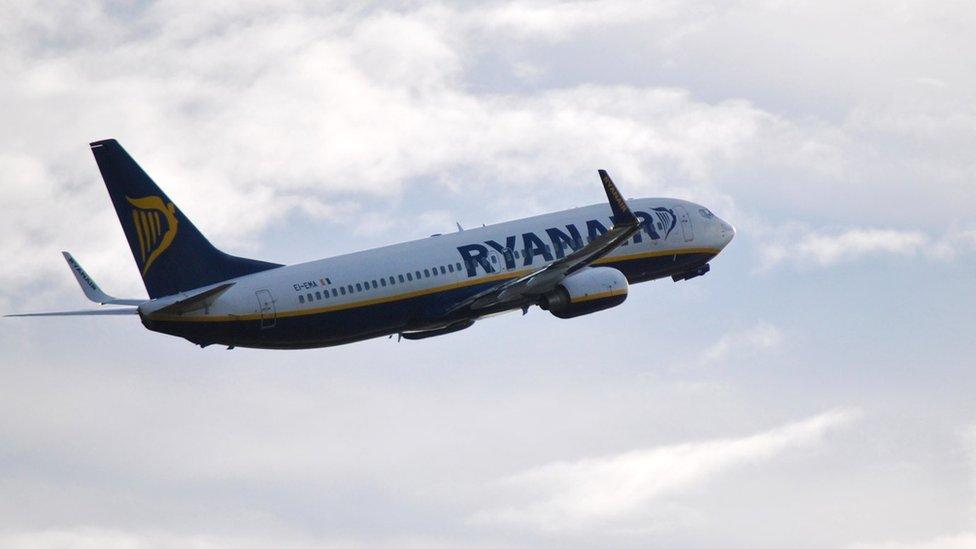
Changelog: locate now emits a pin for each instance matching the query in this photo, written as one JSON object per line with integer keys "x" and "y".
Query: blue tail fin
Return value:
{"x": 171, "y": 253}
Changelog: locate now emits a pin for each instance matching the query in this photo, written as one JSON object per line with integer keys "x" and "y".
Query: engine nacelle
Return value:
{"x": 588, "y": 291}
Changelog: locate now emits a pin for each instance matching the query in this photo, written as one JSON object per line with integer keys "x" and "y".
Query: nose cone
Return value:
{"x": 726, "y": 232}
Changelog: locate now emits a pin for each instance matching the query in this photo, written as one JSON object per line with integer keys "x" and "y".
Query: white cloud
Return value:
{"x": 958, "y": 541}
{"x": 761, "y": 337}
{"x": 824, "y": 249}
{"x": 93, "y": 538}
{"x": 830, "y": 249}
{"x": 622, "y": 490}
{"x": 558, "y": 21}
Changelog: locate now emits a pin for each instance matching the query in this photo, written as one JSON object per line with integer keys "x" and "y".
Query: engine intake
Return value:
{"x": 587, "y": 291}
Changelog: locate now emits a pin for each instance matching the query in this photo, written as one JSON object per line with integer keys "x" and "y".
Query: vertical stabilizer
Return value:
{"x": 171, "y": 254}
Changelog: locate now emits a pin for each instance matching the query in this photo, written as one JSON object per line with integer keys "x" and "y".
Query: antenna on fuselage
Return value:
{"x": 460, "y": 228}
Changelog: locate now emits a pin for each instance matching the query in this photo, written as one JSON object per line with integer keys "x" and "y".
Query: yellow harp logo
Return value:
{"x": 149, "y": 215}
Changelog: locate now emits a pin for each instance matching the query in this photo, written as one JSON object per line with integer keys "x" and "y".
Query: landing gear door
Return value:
{"x": 266, "y": 306}
{"x": 685, "y": 221}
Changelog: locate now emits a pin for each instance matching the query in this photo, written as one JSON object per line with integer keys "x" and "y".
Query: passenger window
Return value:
{"x": 342, "y": 289}
{"x": 308, "y": 296}
{"x": 325, "y": 294}
{"x": 335, "y": 293}
{"x": 443, "y": 271}
{"x": 350, "y": 288}
{"x": 427, "y": 273}
{"x": 359, "y": 287}
{"x": 318, "y": 296}
{"x": 301, "y": 298}
{"x": 458, "y": 267}
{"x": 409, "y": 277}
{"x": 383, "y": 282}
{"x": 417, "y": 274}
{"x": 374, "y": 285}
{"x": 494, "y": 258}
{"x": 516, "y": 254}
{"x": 450, "y": 267}
{"x": 400, "y": 277}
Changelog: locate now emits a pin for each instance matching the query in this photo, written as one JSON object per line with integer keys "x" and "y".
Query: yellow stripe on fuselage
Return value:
{"x": 423, "y": 292}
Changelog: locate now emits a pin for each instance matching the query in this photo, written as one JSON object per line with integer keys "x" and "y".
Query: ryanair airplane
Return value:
{"x": 569, "y": 263}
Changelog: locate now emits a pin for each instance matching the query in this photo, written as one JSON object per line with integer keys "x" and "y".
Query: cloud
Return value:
{"x": 806, "y": 247}
{"x": 559, "y": 21}
{"x": 93, "y": 538}
{"x": 827, "y": 250}
{"x": 623, "y": 490}
{"x": 763, "y": 336}
{"x": 958, "y": 541}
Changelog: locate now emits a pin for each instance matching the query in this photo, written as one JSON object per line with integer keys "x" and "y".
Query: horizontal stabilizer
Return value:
{"x": 195, "y": 302}
{"x": 90, "y": 312}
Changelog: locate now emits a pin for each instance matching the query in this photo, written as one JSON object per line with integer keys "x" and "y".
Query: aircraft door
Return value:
{"x": 685, "y": 220}
{"x": 266, "y": 305}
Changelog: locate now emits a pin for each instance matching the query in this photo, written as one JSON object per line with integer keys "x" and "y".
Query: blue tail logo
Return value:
{"x": 155, "y": 223}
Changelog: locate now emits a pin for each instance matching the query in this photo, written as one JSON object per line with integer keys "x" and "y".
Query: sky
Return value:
{"x": 814, "y": 390}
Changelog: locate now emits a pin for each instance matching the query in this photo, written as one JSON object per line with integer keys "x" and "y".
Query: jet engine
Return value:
{"x": 587, "y": 291}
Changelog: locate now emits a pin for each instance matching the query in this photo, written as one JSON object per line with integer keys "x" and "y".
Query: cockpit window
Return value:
{"x": 705, "y": 213}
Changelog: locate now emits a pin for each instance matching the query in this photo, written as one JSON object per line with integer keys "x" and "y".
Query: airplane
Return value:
{"x": 569, "y": 263}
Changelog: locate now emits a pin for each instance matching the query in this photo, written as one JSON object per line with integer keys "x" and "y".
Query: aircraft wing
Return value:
{"x": 545, "y": 279}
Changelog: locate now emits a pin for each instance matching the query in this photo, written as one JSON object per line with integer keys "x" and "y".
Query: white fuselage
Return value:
{"x": 407, "y": 278}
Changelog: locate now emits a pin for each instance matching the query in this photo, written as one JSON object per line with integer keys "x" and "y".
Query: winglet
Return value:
{"x": 92, "y": 291}
{"x": 621, "y": 212}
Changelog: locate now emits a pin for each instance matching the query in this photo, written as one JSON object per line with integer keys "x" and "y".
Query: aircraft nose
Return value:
{"x": 726, "y": 232}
